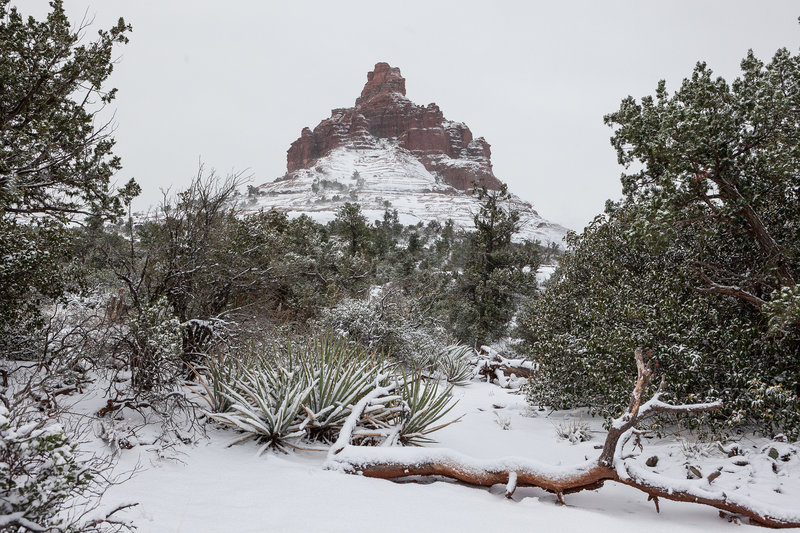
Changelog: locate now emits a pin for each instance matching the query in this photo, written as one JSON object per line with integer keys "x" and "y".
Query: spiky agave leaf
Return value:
{"x": 269, "y": 404}
{"x": 223, "y": 371}
{"x": 342, "y": 374}
{"x": 455, "y": 364}
{"x": 425, "y": 407}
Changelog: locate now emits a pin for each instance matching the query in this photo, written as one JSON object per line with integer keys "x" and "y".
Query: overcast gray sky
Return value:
{"x": 234, "y": 82}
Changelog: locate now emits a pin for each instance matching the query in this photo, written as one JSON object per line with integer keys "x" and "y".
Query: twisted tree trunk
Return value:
{"x": 394, "y": 462}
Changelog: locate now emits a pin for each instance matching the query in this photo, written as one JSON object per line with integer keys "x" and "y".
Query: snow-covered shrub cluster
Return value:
{"x": 454, "y": 363}
{"x": 308, "y": 389}
{"x": 38, "y": 473}
{"x": 154, "y": 345}
{"x": 384, "y": 324}
{"x": 574, "y": 431}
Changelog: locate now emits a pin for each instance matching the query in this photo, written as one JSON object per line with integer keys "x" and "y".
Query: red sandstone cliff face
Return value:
{"x": 383, "y": 111}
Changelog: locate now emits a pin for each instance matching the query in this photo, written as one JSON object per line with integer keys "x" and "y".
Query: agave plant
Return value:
{"x": 424, "y": 408}
{"x": 454, "y": 363}
{"x": 269, "y": 404}
{"x": 341, "y": 374}
{"x": 221, "y": 373}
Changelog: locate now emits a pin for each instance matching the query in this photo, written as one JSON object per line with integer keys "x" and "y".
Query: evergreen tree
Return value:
{"x": 699, "y": 261}
{"x": 53, "y": 160}
{"x": 353, "y": 227}
{"x": 493, "y": 272}
{"x": 55, "y": 164}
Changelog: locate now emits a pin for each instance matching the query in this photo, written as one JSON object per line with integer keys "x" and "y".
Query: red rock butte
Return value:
{"x": 446, "y": 148}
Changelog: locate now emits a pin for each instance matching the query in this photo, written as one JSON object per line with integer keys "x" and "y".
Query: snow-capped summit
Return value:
{"x": 387, "y": 152}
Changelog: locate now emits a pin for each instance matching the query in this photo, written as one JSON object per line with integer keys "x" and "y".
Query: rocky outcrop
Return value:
{"x": 446, "y": 148}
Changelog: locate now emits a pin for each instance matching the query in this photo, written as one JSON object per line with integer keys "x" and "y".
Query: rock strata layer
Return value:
{"x": 444, "y": 147}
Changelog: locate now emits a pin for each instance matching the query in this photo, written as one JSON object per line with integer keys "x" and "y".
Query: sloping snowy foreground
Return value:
{"x": 210, "y": 487}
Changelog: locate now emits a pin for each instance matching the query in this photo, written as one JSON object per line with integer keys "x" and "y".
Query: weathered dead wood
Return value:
{"x": 491, "y": 362}
{"x": 399, "y": 462}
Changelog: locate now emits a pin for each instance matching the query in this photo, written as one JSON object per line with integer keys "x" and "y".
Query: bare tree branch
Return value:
{"x": 398, "y": 462}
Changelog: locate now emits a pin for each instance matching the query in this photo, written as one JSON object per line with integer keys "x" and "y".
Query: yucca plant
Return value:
{"x": 268, "y": 402}
{"x": 454, "y": 364}
{"x": 216, "y": 377}
{"x": 424, "y": 408}
{"x": 341, "y": 374}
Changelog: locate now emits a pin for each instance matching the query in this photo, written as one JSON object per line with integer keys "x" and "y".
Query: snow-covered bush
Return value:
{"x": 308, "y": 389}
{"x": 618, "y": 288}
{"x": 38, "y": 473}
{"x": 455, "y": 364}
{"x": 385, "y": 324}
{"x": 775, "y": 406}
{"x": 783, "y": 310}
{"x": 574, "y": 431}
{"x": 359, "y": 321}
{"x": 154, "y": 342}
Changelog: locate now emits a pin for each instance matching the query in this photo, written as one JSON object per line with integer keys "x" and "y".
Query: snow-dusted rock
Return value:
{"x": 387, "y": 152}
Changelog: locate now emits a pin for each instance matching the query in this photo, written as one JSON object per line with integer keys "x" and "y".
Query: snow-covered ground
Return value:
{"x": 210, "y": 487}
{"x": 391, "y": 178}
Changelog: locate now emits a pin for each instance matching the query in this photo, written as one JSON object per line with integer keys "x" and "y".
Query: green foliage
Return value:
{"x": 38, "y": 474}
{"x": 424, "y": 408}
{"x": 352, "y": 226}
{"x": 720, "y": 161}
{"x": 216, "y": 377}
{"x": 783, "y": 310}
{"x": 34, "y": 269}
{"x": 493, "y": 275}
{"x": 454, "y": 364}
{"x": 341, "y": 374}
{"x": 697, "y": 262}
{"x": 300, "y": 389}
{"x": 154, "y": 346}
{"x": 55, "y": 164}
{"x": 53, "y": 160}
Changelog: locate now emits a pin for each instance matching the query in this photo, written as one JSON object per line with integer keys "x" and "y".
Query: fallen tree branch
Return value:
{"x": 399, "y": 462}
{"x": 499, "y": 370}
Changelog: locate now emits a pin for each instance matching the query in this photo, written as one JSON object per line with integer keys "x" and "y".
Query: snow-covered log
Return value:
{"x": 500, "y": 370}
{"x": 610, "y": 465}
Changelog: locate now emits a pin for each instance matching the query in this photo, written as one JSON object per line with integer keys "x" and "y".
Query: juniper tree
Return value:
{"x": 493, "y": 272}
{"x": 699, "y": 260}
{"x": 55, "y": 164}
{"x": 53, "y": 160}
{"x": 352, "y": 225}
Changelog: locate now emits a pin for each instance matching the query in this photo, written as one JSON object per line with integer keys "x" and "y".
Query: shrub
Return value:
{"x": 154, "y": 346}
{"x": 574, "y": 431}
{"x": 308, "y": 389}
{"x": 454, "y": 364}
{"x": 384, "y": 325}
{"x": 38, "y": 473}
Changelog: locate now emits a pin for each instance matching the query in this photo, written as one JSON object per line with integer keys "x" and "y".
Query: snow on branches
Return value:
{"x": 610, "y": 465}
